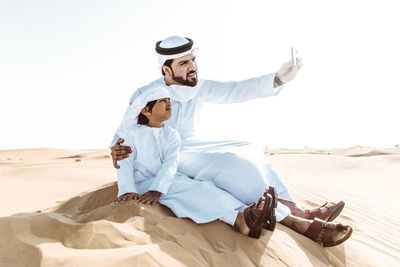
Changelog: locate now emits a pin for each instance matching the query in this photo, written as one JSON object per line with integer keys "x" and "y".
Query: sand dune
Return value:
{"x": 88, "y": 229}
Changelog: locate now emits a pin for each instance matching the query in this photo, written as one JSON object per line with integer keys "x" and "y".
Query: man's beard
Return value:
{"x": 185, "y": 81}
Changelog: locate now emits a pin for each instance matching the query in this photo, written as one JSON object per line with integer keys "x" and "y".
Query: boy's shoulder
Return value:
{"x": 168, "y": 129}
{"x": 171, "y": 131}
{"x": 135, "y": 130}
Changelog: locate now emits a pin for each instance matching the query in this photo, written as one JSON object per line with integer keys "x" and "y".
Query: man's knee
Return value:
{"x": 236, "y": 161}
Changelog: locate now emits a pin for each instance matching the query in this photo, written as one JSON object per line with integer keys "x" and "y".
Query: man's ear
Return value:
{"x": 145, "y": 111}
{"x": 167, "y": 70}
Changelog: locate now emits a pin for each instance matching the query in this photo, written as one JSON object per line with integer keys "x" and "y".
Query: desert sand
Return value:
{"x": 56, "y": 210}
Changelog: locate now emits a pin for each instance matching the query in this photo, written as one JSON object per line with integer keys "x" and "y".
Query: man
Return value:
{"x": 232, "y": 166}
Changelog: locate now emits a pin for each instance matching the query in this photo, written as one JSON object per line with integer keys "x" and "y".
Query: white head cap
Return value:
{"x": 137, "y": 103}
{"x": 173, "y": 47}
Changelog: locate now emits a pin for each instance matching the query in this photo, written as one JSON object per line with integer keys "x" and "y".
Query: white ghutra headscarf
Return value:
{"x": 174, "y": 47}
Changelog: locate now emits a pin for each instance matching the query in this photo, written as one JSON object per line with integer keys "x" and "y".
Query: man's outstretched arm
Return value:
{"x": 234, "y": 92}
{"x": 119, "y": 152}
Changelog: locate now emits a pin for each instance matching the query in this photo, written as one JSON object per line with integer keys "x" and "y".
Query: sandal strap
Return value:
{"x": 314, "y": 212}
{"x": 314, "y": 229}
{"x": 250, "y": 215}
{"x": 324, "y": 232}
{"x": 325, "y": 204}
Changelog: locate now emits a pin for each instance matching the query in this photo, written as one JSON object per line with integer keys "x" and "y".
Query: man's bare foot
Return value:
{"x": 240, "y": 224}
{"x": 298, "y": 212}
{"x": 298, "y": 224}
{"x": 327, "y": 212}
{"x": 294, "y": 210}
{"x": 325, "y": 233}
{"x": 328, "y": 234}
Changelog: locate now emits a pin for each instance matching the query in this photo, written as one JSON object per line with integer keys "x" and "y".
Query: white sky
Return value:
{"x": 68, "y": 68}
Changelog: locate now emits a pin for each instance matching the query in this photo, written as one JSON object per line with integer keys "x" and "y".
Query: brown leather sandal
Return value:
{"x": 255, "y": 217}
{"x": 328, "y": 234}
{"x": 334, "y": 210}
{"x": 270, "y": 223}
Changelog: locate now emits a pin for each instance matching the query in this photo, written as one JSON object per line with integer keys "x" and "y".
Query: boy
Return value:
{"x": 150, "y": 174}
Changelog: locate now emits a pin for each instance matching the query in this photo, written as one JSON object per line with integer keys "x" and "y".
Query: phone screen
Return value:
{"x": 294, "y": 55}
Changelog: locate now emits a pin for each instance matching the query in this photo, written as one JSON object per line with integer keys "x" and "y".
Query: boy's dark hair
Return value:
{"x": 142, "y": 119}
{"x": 168, "y": 64}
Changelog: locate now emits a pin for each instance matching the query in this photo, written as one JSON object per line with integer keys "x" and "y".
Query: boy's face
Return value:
{"x": 161, "y": 110}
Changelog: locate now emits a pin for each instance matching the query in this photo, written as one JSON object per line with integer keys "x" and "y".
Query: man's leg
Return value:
{"x": 200, "y": 201}
{"x": 237, "y": 168}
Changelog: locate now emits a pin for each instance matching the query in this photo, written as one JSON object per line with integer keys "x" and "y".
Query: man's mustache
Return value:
{"x": 191, "y": 72}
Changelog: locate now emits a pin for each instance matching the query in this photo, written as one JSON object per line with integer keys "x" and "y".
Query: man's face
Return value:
{"x": 184, "y": 70}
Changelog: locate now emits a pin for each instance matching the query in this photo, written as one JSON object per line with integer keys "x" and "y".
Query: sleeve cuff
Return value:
{"x": 163, "y": 190}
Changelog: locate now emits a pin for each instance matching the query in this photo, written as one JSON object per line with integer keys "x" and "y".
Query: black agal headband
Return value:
{"x": 174, "y": 50}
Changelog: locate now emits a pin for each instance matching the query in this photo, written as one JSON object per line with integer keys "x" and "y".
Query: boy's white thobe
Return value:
{"x": 233, "y": 166}
{"x": 153, "y": 167}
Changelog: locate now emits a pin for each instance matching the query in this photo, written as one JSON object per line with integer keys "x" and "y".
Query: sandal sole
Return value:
{"x": 336, "y": 213}
{"x": 272, "y": 219}
{"x": 255, "y": 231}
{"x": 348, "y": 234}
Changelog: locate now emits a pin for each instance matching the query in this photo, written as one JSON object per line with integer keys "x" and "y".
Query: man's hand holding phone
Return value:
{"x": 289, "y": 69}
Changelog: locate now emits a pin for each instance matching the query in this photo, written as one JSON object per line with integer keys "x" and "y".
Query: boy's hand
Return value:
{"x": 127, "y": 197}
{"x": 149, "y": 198}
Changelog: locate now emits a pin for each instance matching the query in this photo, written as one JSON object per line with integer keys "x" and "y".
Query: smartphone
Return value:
{"x": 295, "y": 54}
